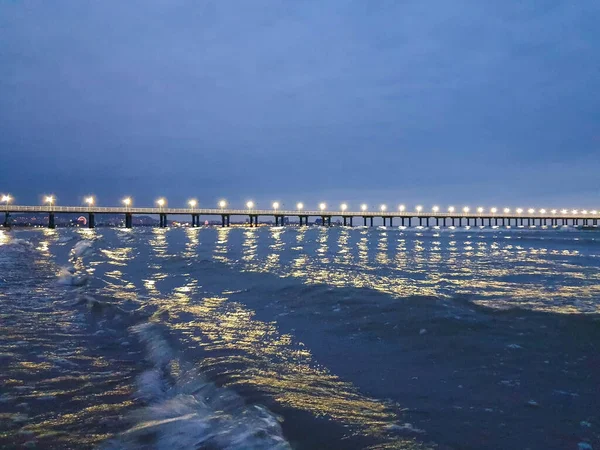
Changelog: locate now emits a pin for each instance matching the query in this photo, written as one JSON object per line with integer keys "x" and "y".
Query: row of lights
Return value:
{"x": 161, "y": 202}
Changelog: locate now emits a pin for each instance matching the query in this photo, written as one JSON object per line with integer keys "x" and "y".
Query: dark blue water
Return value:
{"x": 299, "y": 338}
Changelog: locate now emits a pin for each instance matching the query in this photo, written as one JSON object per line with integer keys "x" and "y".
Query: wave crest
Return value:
{"x": 186, "y": 411}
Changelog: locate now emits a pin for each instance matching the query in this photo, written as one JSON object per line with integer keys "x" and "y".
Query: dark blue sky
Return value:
{"x": 450, "y": 102}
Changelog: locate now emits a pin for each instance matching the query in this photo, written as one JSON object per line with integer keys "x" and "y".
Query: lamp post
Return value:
{"x": 6, "y": 198}
{"x": 90, "y": 201}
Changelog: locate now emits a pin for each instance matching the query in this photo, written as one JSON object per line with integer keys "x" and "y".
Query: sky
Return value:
{"x": 492, "y": 103}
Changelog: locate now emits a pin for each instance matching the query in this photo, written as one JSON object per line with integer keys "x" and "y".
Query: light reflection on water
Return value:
{"x": 480, "y": 264}
{"x": 166, "y": 269}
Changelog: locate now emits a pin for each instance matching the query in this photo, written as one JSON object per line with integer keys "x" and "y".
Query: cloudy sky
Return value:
{"x": 442, "y": 102}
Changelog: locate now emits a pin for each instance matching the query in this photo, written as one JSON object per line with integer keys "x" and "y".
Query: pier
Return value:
{"x": 365, "y": 217}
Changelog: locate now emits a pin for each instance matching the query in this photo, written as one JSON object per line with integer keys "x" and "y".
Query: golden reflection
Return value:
{"x": 150, "y": 286}
{"x": 87, "y": 233}
{"x": 419, "y": 258}
{"x": 221, "y": 249}
{"x": 323, "y": 247}
{"x": 401, "y": 259}
{"x": 344, "y": 256}
{"x": 158, "y": 242}
{"x": 119, "y": 256}
{"x": 43, "y": 246}
{"x": 191, "y": 246}
{"x": 382, "y": 249}
{"x": 249, "y": 248}
{"x": 435, "y": 256}
{"x": 363, "y": 248}
{"x": 276, "y": 364}
{"x": 273, "y": 258}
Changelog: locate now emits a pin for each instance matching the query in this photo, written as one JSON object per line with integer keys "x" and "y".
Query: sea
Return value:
{"x": 299, "y": 338}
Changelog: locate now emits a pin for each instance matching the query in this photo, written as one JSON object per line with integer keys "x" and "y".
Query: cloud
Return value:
{"x": 317, "y": 97}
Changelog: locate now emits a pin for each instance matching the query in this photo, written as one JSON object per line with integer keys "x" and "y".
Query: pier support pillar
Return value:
{"x": 409, "y": 222}
{"x": 128, "y": 220}
{"x": 300, "y": 220}
{"x": 402, "y": 219}
{"x": 276, "y": 221}
{"x": 391, "y": 222}
{"x": 420, "y": 221}
{"x": 437, "y": 221}
{"x": 452, "y": 221}
{"x": 323, "y": 220}
{"x": 427, "y": 222}
{"x": 460, "y": 221}
{"x": 344, "y": 220}
{"x": 521, "y": 221}
{"x": 6, "y": 219}
{"x": 163, "y": 220}
{"x": 91, "y": 220}
{"x": 51, "y": 221}
{"x": 365, "y": 221}
{"x": 223, "y": 220}
{"x": 444, "y": 222}
{"x": 351, "y": 220}
{"x": 371, "y": 220}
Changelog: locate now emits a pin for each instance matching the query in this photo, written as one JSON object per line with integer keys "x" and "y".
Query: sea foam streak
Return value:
{"x": 186, "y": 411}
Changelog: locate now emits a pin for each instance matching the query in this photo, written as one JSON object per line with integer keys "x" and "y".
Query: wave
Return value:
{"x": 82, "y": 248}
{"x": 184, "y": 410}
{"x": 68, "y": 277}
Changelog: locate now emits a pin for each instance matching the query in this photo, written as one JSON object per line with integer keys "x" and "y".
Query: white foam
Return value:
{"x": 68, "y": 277}
{"x": 186, "y": 411}
{"x": 82, "y": 248}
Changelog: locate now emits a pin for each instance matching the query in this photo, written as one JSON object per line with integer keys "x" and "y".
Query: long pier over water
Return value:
{"x": 506, "y": 218}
